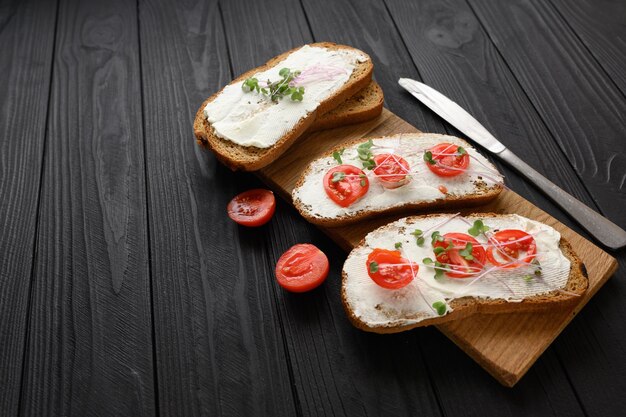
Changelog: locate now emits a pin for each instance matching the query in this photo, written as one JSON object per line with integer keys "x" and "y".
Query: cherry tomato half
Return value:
{"x": 507, "y": 245}
{"x": 252, "y": 208}
{"x": 345, "y": 184}
{"x": 461, "y": 266}
{"x": 391, "y": 170}
{"x": 390, "y": 270}
{"x": 448, "y": 163}
{"x": 302, "y": 268}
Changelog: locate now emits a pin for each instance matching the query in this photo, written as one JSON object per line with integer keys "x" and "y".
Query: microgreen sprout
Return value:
{"x": 365, "y": 154}
{"x": 440, "y": 307}
{"x": 338, "y": 176}
{"x": 419, "y": 238}
{"x": 477, "y": 228}
{"x": 436, "y": 237}
{"x": 467, "y": 252}
{"x": 437, "y": 266}
{"x": 398, "y": 245}
{"x": 337, "y": 156}
{"x": 461, "y": 150}
{"x": 428, "y": 157}
{"x": 278, "y": 89}
{"x": 373, "y": 267}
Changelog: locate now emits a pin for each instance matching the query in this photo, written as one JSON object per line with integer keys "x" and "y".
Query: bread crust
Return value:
{"x": 250, "y": 158}
{"x": 450, "y": 202}
{"x": 577, "y": 283}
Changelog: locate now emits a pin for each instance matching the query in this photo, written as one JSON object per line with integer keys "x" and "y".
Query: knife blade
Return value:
{"x": 605, "y": 231}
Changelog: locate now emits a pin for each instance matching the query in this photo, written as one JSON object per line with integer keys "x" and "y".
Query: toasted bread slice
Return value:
{"x": 479, "y": 184}
{"x": 560, "y": 282}
{"x": 365, "y": 105}
{"x": 251, "y": 158}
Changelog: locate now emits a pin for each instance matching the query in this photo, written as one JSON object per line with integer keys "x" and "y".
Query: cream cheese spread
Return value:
{"x": 377, "y": 306}
{"x": 423, "y": 186}
{"x": 252, "y": 119}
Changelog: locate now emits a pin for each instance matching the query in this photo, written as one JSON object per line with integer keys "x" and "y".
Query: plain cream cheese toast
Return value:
{"x": 375, "y": 306}
{"x": 252, "y": 119}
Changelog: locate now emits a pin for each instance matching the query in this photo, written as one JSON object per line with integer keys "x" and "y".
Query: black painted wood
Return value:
{"x": 27, "y": 38}
{"x": 89, "y": 334}
{"x": 220, "y": 349}
{"x": 601, "y": 26}
{"x": 578, "y": 103}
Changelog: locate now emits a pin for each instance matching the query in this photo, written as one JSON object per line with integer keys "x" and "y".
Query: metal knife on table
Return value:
{"x": 607, "y": 232}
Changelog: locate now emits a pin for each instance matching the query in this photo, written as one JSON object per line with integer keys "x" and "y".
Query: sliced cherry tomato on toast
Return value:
{"x": 391, "y": 170}
{"x": 389, "y": 269}
{"x": 302, "y": 268}
{"x": 345, "y": 184}
{"x": 448, "y": 161}
{"x": 252, "y": 208}
{"x": 506, "y": 246}
{"x": 463, "y": 266}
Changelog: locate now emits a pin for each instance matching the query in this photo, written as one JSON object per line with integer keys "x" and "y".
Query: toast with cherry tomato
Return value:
{"x": 405, "y": 172}
{"x": 430, "y": 269}
{"x": 252, "y": 158}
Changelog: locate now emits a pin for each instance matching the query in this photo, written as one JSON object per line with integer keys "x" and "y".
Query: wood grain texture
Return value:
{"x": 89, "y": 338}
{"x": 27, "y": 38}
{"x": 220, "y": 350}
{"x": 601, "y": 26}
{"x": 506, "y": 345}
{"x": 578, "y": 103}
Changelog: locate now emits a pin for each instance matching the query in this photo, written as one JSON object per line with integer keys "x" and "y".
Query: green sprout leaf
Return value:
{"x": 337, "y": 155}
{"x": 338, "y": 176}
{"x": 427, "y": 261}
{"x": 428, "y": 157}
{"x": 419, "y": 238}
{"x": 366, "y": 156}
{"x": 528, "y": 278}
{"x": 373, "y": 267}
{"x": 398, "y": 245}
{"x": 477, "y": 228}
{"x": 467, "y": 252}
{"x": 461, "y": 150}
{"x": 436, "y": 237}
{"x": 439, "y": 250}
{"x": 440, "y": 307}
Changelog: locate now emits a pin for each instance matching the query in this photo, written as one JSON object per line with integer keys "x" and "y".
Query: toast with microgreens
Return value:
{"x": 259, "y": 115}
{"x": 430, "y": 269}
{"x": 412, "y": 171}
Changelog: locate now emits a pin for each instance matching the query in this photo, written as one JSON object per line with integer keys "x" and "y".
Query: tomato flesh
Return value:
{"x": 461, "y": 267}
{"x": 252, "y": 208}
{"x": 392, "y": 271}
{"x": 448, "y": 162}
{"x": 507, "y": 245}
{"x": 351, "y": 187}
{"x": 302, "y": 268}
{"x": 392, "y": 170}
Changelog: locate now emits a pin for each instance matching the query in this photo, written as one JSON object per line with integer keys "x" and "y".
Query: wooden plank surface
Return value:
{"x": 505, "y": 345}
{"x": 219, "y": 346}
{"x": 89, "y": 347}
{"x": 27, "y": 39}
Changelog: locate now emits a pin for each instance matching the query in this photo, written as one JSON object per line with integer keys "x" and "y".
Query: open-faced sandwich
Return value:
{"x": 429, "y": 269}
{"x": 255, "y": 118}
{"x": 392, "y": 173}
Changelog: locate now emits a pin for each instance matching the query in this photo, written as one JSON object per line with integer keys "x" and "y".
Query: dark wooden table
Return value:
{"x": 124, "y": 288}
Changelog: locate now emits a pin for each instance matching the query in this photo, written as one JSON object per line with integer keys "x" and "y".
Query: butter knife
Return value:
{"x": 605, "y": 231}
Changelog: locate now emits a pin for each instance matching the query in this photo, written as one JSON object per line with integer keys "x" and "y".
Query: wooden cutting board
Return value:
{"x": 506, "y": 345}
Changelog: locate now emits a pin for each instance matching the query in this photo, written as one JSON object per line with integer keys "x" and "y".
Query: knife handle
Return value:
{"x": 604, "y": 230}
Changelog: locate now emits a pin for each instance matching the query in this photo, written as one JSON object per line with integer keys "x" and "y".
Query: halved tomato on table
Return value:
{"x": 456, "y": 254}
{"x": 389, "y": 269}
{"x": 302, "y": 268}
{"x": 447, "y": 160}
{"x": 511, "y": 248}
{"x": 345, "y": 184}
{"x": 252, "y": 208}
{"x": 391, "y": 170}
